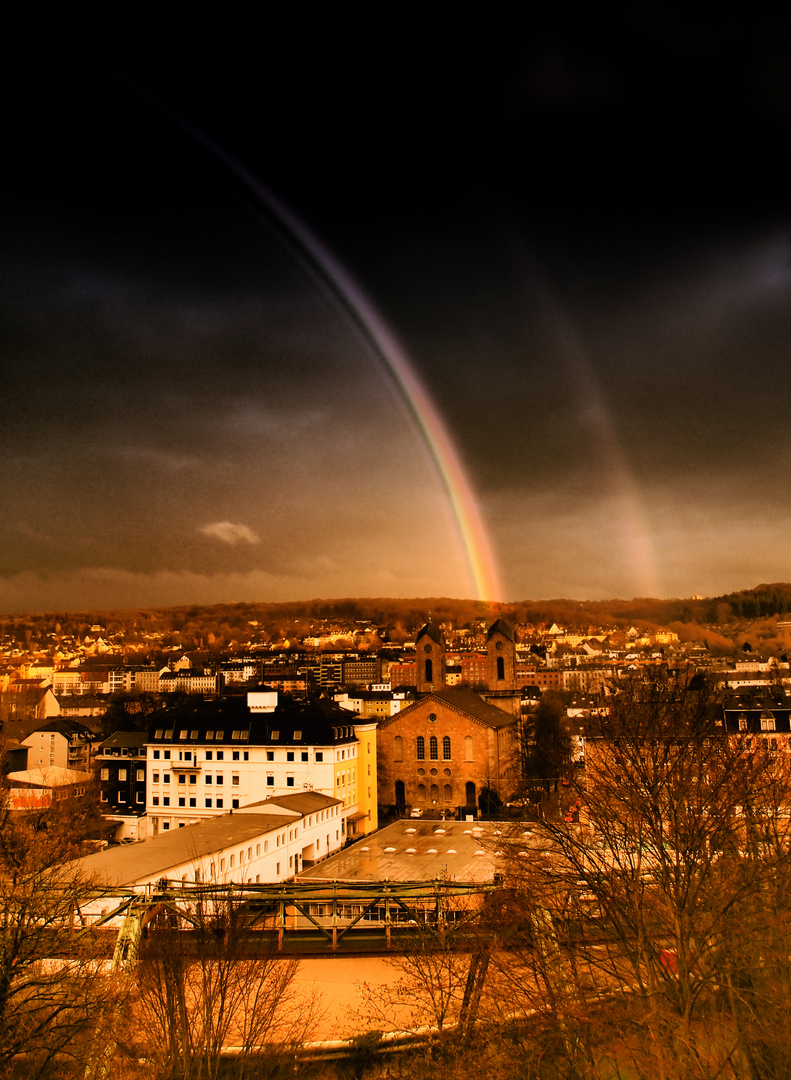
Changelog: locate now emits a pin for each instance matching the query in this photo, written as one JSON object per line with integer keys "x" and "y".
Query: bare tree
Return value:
{"x": 208, "y": 987}
{"x": 683, "y": 833}
{"x": 54, "y": 988}
{"x": 440, "y": 969}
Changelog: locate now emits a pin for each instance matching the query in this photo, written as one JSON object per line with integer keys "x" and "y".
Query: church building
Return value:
{"x": 440, "y": 752}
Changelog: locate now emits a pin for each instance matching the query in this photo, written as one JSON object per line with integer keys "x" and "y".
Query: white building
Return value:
{"x": 268, "y": 842}
{"x": 211, "y": 757}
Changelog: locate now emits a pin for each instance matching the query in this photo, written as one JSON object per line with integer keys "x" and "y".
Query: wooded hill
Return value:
{"x": 724, "y": 621}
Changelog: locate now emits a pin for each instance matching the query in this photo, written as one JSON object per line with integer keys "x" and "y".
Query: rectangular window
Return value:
{"x": 270, "y": 755}
{"x": 166, "y": 755}
{"x": 166, "y": 800}
{"x": 235, "y": 804}
{"x": 236, "y": 735}
{"x": 277, "y": 868}
{"x": 139, "y": 797}
{"x": 270, "y": 779}
{"x": 246, "y": 755}
{"x": 140, "y": 775}
{"x": 166, "y": 778}
{"x": 304, "y": 755}
{"x": 230, "y": 861}
{"x": 156, "y": 754}
{"x": 235, "y": 755}
{"x": 105, "y": 774}
{"x": 218, "y": 778}
{"x": 166, "y": 825}
{"x": 209, "y": 755}
{"x": 103, "y": 797}
{"x": 266, "y": 846}
{"x": 182, "y": 801}
{"x": 155, "y": 800}
{"x": 207, "y": 778}
{"x": 193, "y": 734}
{"x": 208, "y": 803}
{"x": 275, "y": 736}
{"x": 193, "y": 801}
{"x": 258, "y": 849}
{"x": 289, "y": 755}
{"x": 187, "y": 755}
{"x": 220, "y": 734}
{"x": 182, "y": 778}
{"x": 319, "y": 755}
{"x": 183, "y": 734}
{"x": 209, "y": 735}
{"x": 193, "y": 778}
{"x": 220, "y": 753}
{"x": 219, "y": 804}
{"x": 122, "y": 774}
{"x": 290, "y": 780}
{"x": 169, "y": 733}
{"x": 235, "y": 779}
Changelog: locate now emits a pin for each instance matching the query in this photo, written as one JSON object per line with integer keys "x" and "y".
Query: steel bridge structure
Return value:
{"x": 289, "y": 914}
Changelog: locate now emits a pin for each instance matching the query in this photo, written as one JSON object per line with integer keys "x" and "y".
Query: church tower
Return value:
{"x": 430, "y": 659}
{"x": 501, "y": 647}
{"x": 502, "y": 683}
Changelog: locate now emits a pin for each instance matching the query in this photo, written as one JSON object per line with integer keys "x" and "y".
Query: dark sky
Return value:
{"x": 578, "y": 230}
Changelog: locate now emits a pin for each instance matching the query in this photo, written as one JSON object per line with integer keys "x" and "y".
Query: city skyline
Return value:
{"x": 287, "y": 325}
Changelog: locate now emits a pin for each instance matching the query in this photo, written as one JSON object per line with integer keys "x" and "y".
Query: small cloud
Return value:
{"x": 229, "y": 532}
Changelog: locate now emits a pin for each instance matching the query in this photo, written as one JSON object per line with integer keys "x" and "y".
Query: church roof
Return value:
{"x": 432, "y": 631}
{"x": 500, "y": 626}
{"x": 464, "y": 701}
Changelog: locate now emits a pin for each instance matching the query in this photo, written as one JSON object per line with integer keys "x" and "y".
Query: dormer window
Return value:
{"x": 275, "y": 735}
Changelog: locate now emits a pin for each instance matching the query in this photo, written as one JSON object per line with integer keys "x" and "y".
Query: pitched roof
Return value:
{"x": 432, "y": 631}
{"x": 463, "y": 700}
{"x": 500, "y": 626}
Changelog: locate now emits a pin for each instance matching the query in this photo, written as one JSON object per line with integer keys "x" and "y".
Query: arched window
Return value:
{"x": 446, "y": 748}
{"x": 468, "y": 748}
{"x": 469, "y": 793}
{"x": 500, "y": 668}
{"x": 434, "y": 792}
{"x": 447, "y": 793}
{"x": 400, "y": 794}
{"x": 429, "y": 671}
{"x": 421, "y": 748}
{"x": 433, "y": 748}
{"x": 398, "y": 748}
{"x": 421, "y": 793}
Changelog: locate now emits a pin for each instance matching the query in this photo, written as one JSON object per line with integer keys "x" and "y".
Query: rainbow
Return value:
{"x": 381, "y": 341}
{"x": 421, "y": 408}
